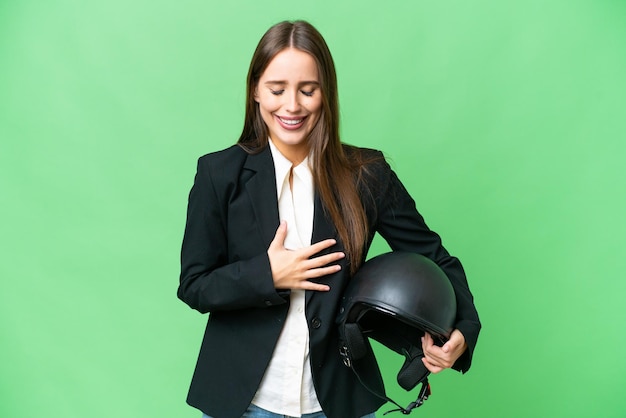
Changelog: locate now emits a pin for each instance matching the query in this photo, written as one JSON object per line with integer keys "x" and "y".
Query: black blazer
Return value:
{"x": 232, "y": 218}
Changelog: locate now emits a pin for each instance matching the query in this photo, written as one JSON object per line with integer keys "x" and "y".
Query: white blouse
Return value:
{"x": 287, "y": 387}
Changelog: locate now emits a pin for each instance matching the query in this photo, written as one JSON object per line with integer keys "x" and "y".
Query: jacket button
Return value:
{"x": 316, "y": 323}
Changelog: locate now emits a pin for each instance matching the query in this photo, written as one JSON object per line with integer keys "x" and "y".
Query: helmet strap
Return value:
{"x": 413, "y": 368}
{"x": 423, "y": 395}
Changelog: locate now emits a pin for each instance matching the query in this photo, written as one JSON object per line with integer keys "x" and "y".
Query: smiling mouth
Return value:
{"x": 291, "y": 121}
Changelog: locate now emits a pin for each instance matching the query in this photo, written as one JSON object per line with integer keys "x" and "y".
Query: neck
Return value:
{"x": 294, "y": 153}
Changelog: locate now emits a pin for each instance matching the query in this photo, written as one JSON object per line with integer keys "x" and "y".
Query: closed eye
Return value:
{"x": 279, "y": 92}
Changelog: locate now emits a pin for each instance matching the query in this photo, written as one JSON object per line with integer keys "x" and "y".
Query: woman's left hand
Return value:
{"x": 438, "y": 358}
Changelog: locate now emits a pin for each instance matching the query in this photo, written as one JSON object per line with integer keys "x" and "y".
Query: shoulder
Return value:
{"x": 221, "y": 168}
{"x": 369, "y": 163}
{"x": 230, "y": 168}
{"x": 360, "y": 152}
{"x": 229, "y": 162}
{"x": 224, "y": 158}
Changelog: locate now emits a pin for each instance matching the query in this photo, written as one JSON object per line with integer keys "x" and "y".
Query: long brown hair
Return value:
{"x": 335, "y": 175}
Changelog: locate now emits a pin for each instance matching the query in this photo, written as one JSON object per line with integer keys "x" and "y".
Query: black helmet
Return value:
{"x": 395, "y": 298}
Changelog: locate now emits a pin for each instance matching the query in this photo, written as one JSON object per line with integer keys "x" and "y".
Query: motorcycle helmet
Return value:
{"x": 395, "y": 298}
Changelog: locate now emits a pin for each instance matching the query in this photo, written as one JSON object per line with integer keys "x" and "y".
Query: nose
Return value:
{"x": 293, "y": 103}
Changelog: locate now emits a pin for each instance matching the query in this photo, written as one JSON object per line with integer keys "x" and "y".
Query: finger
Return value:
{"x": 453, "y": 341}
{"x": 433, "y": 347}
{"x": 323, "y": 260}
{"x": 433, "y": 353}
{"x": 306, "y": 285}
{"x": 322, "y": 271}
{"x": 428, "y": 347}
{"x": 456, "y": 344}
{"x": 436, "y": 357}
{"x": 279, "y": 237}
{"x": 319, "y": 246}
{"x": 431, "y": 368}
{"x": 427, "y": 341}
{"x": 436, "y": 361}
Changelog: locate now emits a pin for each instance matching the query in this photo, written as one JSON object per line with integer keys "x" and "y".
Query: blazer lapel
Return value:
{"x": 323, "y": 228}
{"x": 322, "y": 225}
{"x": 261, "y": 188}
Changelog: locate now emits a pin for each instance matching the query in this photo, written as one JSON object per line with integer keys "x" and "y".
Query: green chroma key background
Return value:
{"x": 505, "y": 120}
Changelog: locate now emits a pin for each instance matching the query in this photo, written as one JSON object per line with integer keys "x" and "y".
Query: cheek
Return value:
{"x": 312, "y": 104}
{"x": 315, "y": 108}
{"x": 268, "y": 103}
{"x": 266, "y": 116}
{"x": 267, "y": 113}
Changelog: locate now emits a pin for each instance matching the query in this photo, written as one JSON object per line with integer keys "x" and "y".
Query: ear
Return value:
{"x": 256, "y": 93}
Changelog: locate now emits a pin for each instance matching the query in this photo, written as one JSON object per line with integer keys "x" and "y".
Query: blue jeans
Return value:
{"x": 256, "y": 412}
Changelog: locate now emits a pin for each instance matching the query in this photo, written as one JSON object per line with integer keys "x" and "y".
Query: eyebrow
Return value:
{"x": 282, "y": 83}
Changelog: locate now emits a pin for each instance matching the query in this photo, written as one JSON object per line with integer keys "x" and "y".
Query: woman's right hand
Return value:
{"x": 292, "y": 269}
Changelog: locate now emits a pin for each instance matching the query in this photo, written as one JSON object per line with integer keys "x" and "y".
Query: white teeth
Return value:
{"x": 290, "y": 121}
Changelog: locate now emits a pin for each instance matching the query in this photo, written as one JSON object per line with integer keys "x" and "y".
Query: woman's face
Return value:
{"x": 290, "y": 101}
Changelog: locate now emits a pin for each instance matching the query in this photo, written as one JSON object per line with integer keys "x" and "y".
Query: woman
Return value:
{"x": 276, "y": 226}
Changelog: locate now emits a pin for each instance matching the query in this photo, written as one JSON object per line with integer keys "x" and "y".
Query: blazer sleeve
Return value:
{"x": 209, "y": 280}
{"x": 404, "y": 229}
